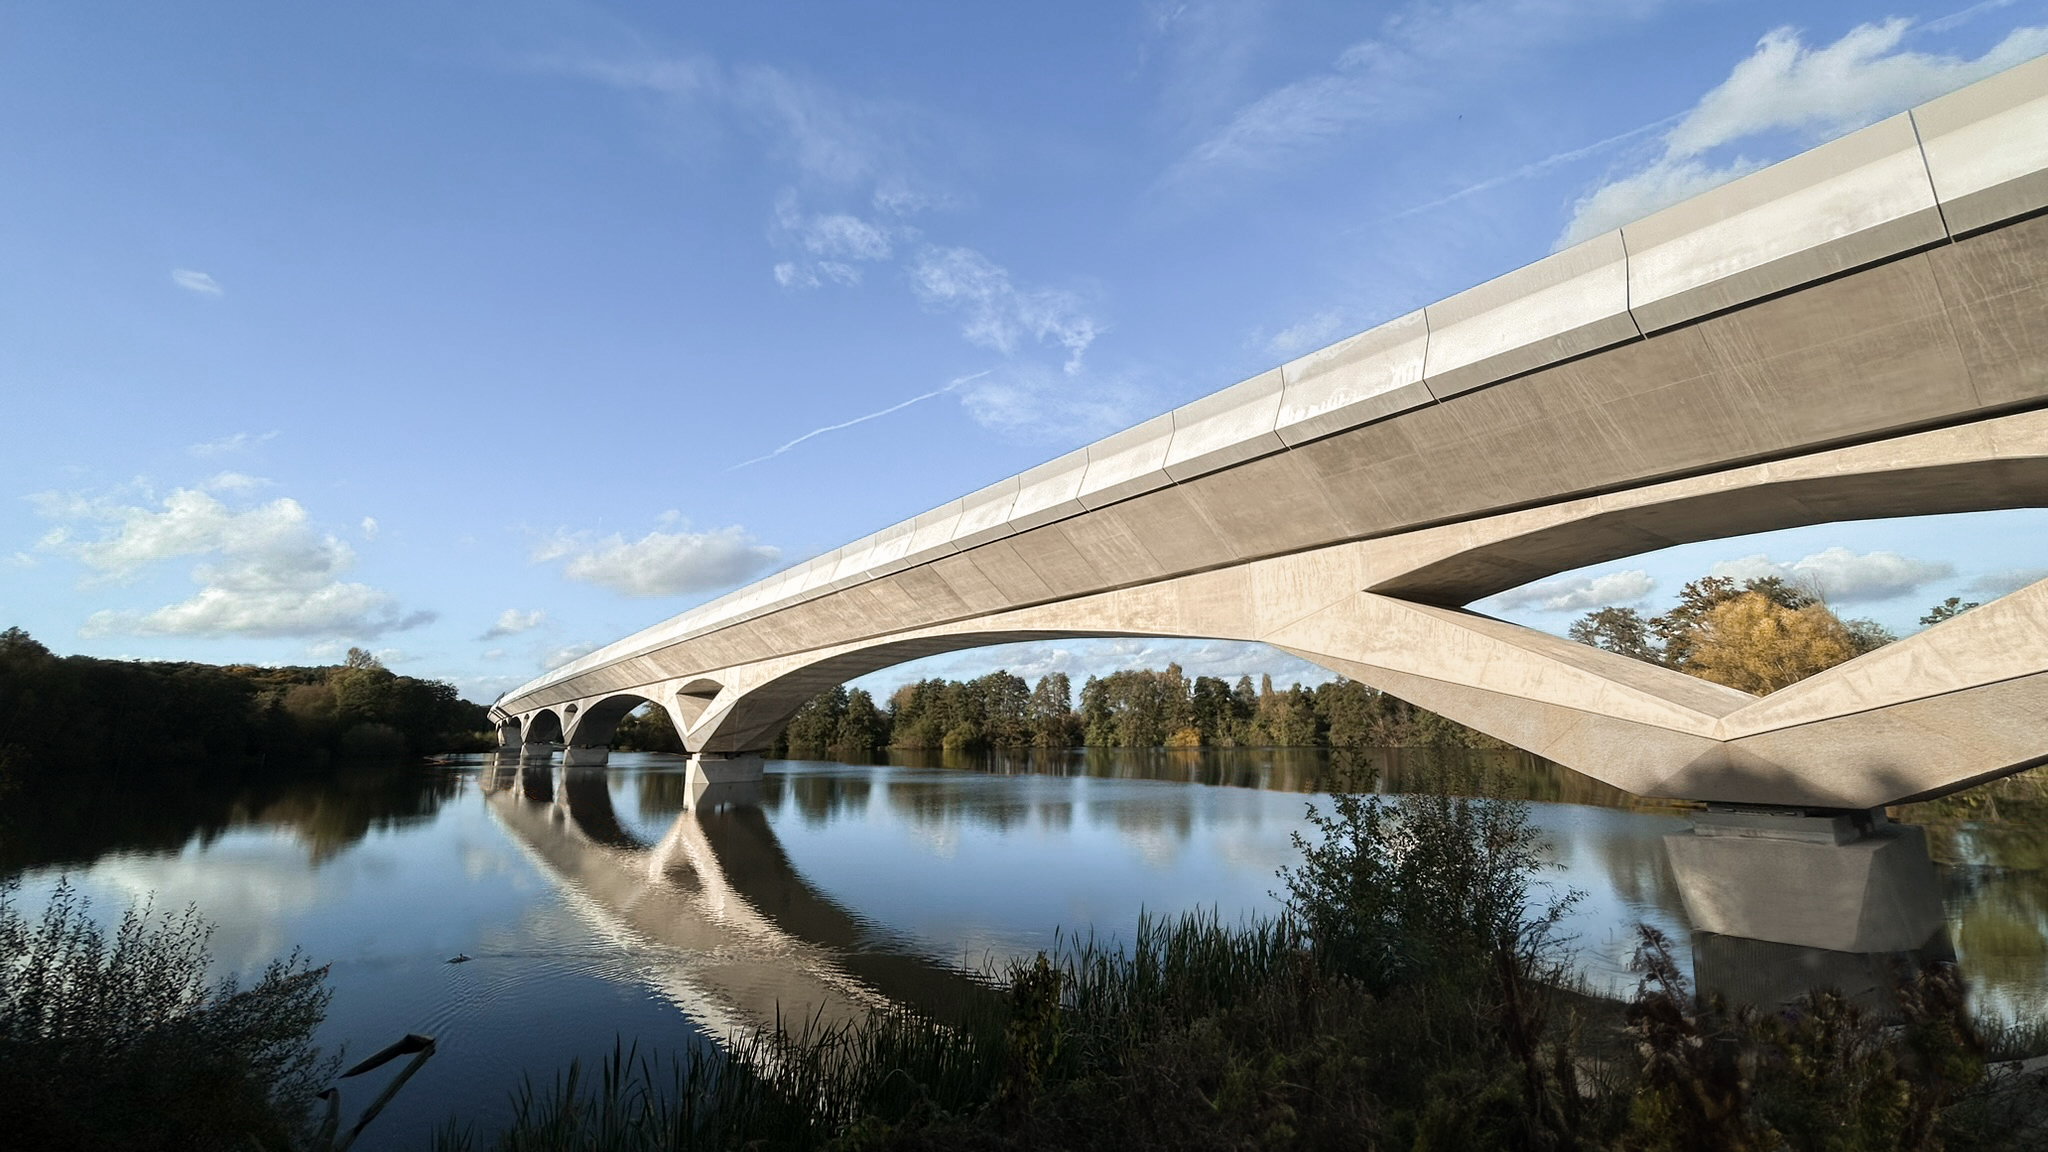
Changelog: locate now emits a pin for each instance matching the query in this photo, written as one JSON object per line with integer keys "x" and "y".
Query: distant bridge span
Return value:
{"x": 1859, "y": 331}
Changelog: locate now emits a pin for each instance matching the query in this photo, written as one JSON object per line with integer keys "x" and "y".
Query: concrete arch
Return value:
{"x": 594, "y": 722}
{"x": 543, "y": 727}
{"x": 1995, "y": 465}
{"x": 1936, "y": 712}
{"x": 1839, "y": 740}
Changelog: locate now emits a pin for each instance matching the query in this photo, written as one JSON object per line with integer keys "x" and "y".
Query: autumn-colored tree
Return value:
{"x": 1758, "y": 645}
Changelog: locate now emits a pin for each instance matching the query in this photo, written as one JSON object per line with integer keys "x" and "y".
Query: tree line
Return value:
{"x": 1754, "y": 635}
{"x": 1133, "y": 708}
{"x": 61, "y": 716}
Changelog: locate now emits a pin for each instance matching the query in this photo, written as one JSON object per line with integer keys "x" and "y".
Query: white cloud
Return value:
{"x": 511, "y": 622}
{"x": 1785, "y": 86}
{"x": 228, "y": 444}
{"x": 1033, "y": 402}
{"x": 790, "y": 274}
{"x": 836, "y": 235}
{"x": 198, "y": 282}
{"x": 269, "y": 572}
{"x": 1422, "y": 51}
{"x": 369, "y": 527}
{"x": 1579, "y": 593}
{"x": 826, "y": 133}
{"x": 1842, "y": 576}
{"x": 331, "y": 609}
{"x": 832, "y": 240}
{"x": 233, "y": 482}
{"x": 1314, "y": 332}
{"x": 660, "y": 563}
{"x": 554, "y": 658}
{"x": 1992, "y": 585}
{"x": 999, "y": 314}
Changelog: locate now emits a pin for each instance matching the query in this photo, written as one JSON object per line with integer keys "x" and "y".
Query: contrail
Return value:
{"x": 1537, "y": 168}
{"x": 861, "y": 419}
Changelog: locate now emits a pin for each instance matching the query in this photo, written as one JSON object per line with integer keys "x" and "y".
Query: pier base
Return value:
{"x": 1782, "y": 903}
{"x": 539, "y": 753}
{"x": 586, "y": 755}
{"x": 737, "y": 769}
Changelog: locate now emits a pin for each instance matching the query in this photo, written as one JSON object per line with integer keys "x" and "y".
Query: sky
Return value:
{"x": 482, "y": 335}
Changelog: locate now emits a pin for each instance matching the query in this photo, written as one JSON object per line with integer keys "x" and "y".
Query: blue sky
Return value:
{"x": 479, "y": 335}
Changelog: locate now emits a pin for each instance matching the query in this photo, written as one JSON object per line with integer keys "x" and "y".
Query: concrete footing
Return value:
{"x": 586, "y": 755}
{"x": 705, "y": 796}
{"x": 538, "y": 753}
{"x": 737, "y": 769}
{"x": 1782, "y": 903}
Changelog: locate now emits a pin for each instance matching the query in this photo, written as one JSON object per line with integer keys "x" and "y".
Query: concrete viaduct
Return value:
{"x": 1860, "y": 331}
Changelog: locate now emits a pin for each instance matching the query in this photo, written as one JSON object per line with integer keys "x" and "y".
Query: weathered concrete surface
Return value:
{"x": 1874, "y": 892}
{"x": 1813, "y": 342}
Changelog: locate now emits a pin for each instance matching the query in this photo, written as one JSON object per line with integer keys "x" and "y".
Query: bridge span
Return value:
{"x": 1859, "y": 331}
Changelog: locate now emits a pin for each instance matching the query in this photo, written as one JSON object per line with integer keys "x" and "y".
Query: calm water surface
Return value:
{"x": 596, "y": 904}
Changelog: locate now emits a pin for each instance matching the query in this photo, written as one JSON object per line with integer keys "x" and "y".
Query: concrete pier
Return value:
{"x": 586, "y": 756}
{"x": 712, "y": 769}
{"x": 1786, "y": 901}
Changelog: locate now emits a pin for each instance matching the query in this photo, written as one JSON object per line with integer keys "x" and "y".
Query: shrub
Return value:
{"x": 124, "y": 1044}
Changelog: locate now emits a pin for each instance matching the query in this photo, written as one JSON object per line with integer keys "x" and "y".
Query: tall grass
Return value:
{"x": 122, "y": 1042}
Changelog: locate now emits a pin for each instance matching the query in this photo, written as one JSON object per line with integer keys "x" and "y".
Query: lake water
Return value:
{"x": 611, "y": 903}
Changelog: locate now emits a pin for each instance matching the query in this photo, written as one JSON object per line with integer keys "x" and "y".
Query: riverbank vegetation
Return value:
{"x": 1133, "y": 708}
{"x": 122, "y": 1042}
{"x": 67, "y": 717}
{"x": 1414, "y": 995}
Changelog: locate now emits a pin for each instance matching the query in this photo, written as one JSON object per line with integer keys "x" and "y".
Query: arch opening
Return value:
{"x": 544, "y": 727}
{"x": 754, "y": 720}
{"x": 1899, "y": 574}
{"x": 1848, "y": 485}
{"x": 594, "y": 726}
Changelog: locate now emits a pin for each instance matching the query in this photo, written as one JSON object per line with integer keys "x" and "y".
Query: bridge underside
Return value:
{"x": 1956, "y": 704}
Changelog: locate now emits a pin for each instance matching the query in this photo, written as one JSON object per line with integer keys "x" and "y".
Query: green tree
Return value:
{"x": 1947, "y": 610}
{"x": 1618, "y": 630}
{"x": 863, "y": 729}
{"x": 647, "y": 729}
{"x": 1053, "y": 723}
{"x": 814, "y": 730}
{"x": 1867, "y": 635}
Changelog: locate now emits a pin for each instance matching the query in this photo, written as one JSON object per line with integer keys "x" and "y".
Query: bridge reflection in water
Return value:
{"x": 731, "y": 933}
{"x": 739, "y": 939}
